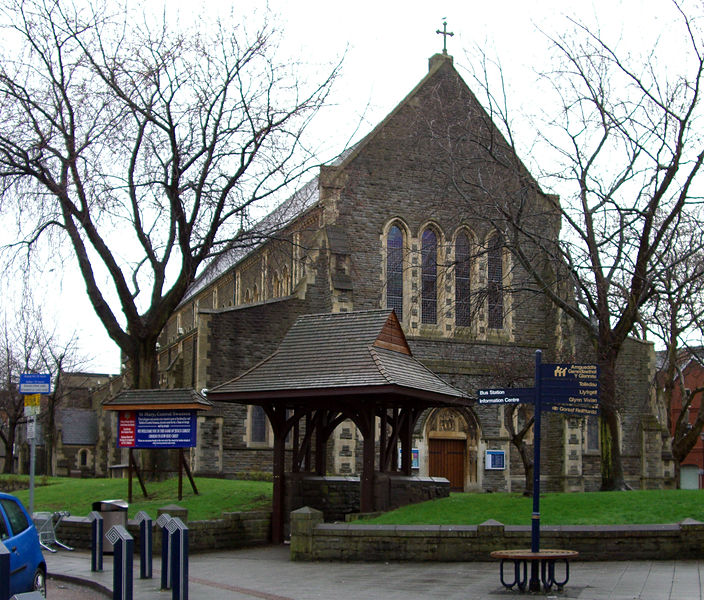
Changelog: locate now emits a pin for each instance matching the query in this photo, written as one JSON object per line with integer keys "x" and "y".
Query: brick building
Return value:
{"x": 407, "y": 219}
{"x": 691, "y": 470}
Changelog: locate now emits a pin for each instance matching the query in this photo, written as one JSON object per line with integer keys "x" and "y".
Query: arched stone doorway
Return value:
{"x": 451, "y": 436}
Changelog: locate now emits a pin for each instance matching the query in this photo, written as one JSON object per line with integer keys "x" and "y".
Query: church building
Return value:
{"x": 409, "y": 219}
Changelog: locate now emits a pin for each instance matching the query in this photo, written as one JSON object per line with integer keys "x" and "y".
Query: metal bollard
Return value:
{"x": 146, "y": 544}
{"x": 162, "y": 522}
{"x": 123, "y": 553}
{"x": 178, "y": 532}
{"x": 96, "y": 541}
{"x": 4, "y": 572}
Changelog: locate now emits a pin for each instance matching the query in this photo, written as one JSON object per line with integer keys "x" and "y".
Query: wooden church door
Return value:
{"x": 452, "y": 448}
{"x": 447, "y": 459}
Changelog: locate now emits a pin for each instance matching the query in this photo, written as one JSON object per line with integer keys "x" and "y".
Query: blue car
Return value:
{"x": 17, "y": 532}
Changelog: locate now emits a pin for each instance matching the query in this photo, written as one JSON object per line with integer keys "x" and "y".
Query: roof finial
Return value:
{"x": 444, "y": 33}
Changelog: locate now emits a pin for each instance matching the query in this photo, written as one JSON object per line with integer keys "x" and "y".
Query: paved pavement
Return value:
{"x": 267, "y": 573}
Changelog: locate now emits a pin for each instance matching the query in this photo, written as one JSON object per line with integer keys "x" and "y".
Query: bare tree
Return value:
{"x": 28, "y": 346}
{"x": 148, "y": 148}
{"x": 673, "y": 316}
{"x": 626, "y": 153}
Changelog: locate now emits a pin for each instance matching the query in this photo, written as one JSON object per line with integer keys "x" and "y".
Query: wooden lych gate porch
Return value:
{"x": 334, "y": 367}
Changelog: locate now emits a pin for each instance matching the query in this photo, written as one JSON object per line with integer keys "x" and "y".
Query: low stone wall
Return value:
{"x": 312, "y": 539}
{"x": 337, "y": 497}
{"x": 233, "y": 530}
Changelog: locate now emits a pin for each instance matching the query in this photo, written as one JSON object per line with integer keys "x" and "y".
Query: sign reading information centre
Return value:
{"x": 157, "y": 429}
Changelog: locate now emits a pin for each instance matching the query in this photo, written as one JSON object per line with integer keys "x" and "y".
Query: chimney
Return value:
{"x": 437, "y": 59}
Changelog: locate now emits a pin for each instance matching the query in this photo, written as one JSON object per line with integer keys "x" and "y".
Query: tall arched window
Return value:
{"x": 462, "y": 271}
{"x": 429, "y": 274}
{"x": 495, "y": 276}
{"x": 394, "y": 270}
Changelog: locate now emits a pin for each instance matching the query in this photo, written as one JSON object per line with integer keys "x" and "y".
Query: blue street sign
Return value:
{"x": 576, "y": 385}
{"x": 35, "y": 383}
{"x": 573, "y": 410}
{"x": 506, "y": 396}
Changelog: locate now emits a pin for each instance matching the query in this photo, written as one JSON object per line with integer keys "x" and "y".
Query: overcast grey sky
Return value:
{"x": 386, "y": 45}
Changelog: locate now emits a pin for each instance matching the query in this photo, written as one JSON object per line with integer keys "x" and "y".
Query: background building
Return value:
{"x": 409, "y": 219}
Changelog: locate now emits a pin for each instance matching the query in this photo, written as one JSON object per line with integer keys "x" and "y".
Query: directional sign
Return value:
{"x": 573, "y": 410}
{"x": 576, "y": 385}
{"x": 35, "y": 383}
{"x": 506, "y": 396}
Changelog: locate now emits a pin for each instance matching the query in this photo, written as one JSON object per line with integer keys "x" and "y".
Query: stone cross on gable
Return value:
{"x": 444, "y": 33}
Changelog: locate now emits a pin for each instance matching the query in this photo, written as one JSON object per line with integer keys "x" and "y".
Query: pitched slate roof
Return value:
{"x": 361, "y": 352}
{"x": 177, "y": 399}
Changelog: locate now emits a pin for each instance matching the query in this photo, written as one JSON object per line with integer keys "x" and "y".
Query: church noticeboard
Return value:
{"x": 156, "y": 429}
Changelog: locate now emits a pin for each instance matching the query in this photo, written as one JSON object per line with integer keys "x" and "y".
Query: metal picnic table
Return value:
{"x": 546, "y": 559}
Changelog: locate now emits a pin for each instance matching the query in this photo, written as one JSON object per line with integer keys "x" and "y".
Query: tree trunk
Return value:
{"x": 156, "y": 465}
{"x": 7, "y": 467}
{"x": 612, "y": 477}
{"x": 144, "y": 367}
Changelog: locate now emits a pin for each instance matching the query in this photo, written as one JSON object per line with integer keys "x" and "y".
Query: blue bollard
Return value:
{"x": 123, "y": 553}
{"x": 96, "y": 541}
{"x": 145, "y": 544}
{"x": 4, "y": 572}
{"x": 178, "y": 532}
{"x": 162, "y": 522}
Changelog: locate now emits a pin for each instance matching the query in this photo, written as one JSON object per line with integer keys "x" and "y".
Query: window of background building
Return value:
{"x": 429, "y": 275}
{"x": 258, "y": 423}
{"x": 394, "y": 271}
{"x": 462, "y": 272}
{"x": 593, "y": 434}
{"x": 495, "y": 276}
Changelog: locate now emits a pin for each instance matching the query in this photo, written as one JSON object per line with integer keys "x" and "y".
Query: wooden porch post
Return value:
{"x": 384, "y": 449}
{"x": 321, "y": 442}
{"x": 406, "y": 442}
{"x": 277, "y": 516}
{"x": 277, "y": 418}
{"x": 368, "y": 455}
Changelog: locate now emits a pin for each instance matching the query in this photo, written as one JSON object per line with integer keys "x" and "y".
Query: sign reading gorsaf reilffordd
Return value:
{"x": 157, "y": 429}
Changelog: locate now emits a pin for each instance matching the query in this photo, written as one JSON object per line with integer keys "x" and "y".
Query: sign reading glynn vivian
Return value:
{"x": 156, "y": 429}
{"x": 570, "y": 389}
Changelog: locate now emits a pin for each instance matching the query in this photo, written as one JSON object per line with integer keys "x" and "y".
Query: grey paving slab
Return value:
{"x": 268, "y": 574}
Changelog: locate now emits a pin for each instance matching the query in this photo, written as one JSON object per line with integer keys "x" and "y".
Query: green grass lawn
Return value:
{"x": 594, "y": 508}
{"x": 215, "y": 495}
{"x": 218, "y": 495}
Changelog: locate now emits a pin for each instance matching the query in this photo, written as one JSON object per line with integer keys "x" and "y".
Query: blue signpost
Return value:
{"x": 535, "y": 516}
{"x": 178, "y": 534}
{"x": 96, "y": 541}
{"x": 123, "y": 553}
{"x": 568, "y": 389}
{"x": 162, "y": 522}
{"x": 145, "y": 544}
{"x": 4, "y": 572}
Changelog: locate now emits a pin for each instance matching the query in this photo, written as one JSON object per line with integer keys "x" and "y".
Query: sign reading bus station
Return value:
{"x": 506, "y": 396}
{"x": 568, "y": 389}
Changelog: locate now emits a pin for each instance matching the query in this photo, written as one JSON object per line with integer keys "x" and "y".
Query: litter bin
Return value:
{"x": 114, "y": 512}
